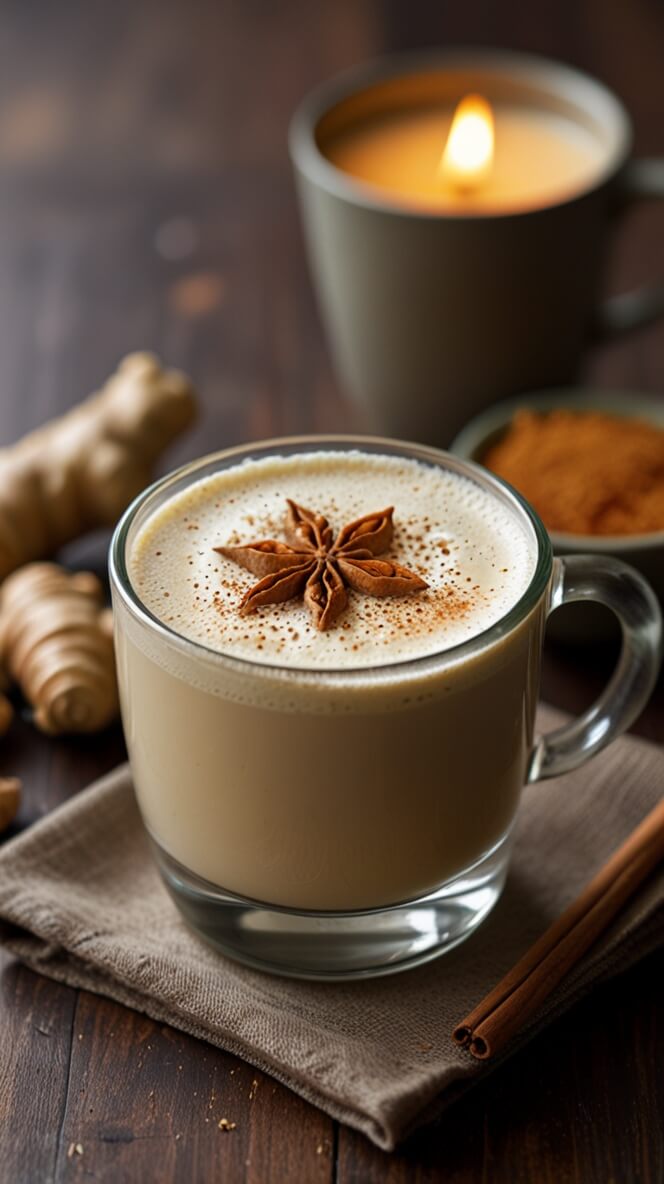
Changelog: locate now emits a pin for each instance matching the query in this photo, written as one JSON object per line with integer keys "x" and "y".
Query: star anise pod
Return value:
{"x": 313, "y": 564}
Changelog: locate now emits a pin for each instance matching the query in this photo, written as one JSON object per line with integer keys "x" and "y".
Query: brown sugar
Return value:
{"x": 585, "y": 472}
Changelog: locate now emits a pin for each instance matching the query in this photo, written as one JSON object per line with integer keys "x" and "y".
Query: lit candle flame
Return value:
{"x": 468, "y": 154}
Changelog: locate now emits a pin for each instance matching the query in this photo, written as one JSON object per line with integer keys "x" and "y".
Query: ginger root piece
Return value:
{"x": 6, "y": 709}
{"x": 6, "y": 714}
{"x": 81, "y": 471}
{"x": 10, "y": 787}
{"x": 10, "y": 797}
{"x": 58, "y": 646}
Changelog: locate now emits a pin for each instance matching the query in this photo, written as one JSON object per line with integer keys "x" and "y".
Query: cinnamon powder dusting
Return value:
{"x": 585, "y": 472}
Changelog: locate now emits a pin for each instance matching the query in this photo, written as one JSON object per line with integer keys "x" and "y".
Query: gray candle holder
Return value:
{"x": 433, "y": 316}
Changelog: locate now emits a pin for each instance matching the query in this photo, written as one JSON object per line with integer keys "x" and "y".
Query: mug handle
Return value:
{"x": 621, "y": 588}
{"x": 641, "y": 180}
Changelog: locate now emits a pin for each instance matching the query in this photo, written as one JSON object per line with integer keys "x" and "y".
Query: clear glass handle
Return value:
{"x": 626, "y": 593}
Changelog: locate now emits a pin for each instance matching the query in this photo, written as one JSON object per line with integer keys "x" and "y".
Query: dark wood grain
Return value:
{"x": 163, "y": 1111}
{"x": 37, "y": 1018}
{"x": 146, "y": 201}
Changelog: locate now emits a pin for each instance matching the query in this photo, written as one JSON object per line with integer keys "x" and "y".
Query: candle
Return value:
{"x": 478, "y": 159}
{"x": 455, "y": 268}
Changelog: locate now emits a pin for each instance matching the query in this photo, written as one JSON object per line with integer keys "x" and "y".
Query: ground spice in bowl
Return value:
{"x": 585, "y": 472}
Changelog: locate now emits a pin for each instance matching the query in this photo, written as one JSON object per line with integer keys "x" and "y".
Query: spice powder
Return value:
{"x": 585, "y": 472}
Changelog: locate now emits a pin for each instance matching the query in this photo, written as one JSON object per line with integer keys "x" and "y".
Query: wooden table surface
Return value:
{"x": 146, "y": 201}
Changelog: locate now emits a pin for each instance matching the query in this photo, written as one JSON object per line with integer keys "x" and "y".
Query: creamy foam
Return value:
{"x": 474, "y": 554}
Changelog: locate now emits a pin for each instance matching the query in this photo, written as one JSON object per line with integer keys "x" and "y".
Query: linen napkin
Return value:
{"x": 82, "y": 902}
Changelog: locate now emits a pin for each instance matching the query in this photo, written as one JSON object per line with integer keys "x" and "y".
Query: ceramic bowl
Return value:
{"x": 643, "y": 551}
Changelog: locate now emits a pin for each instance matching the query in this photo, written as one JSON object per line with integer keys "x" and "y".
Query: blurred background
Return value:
{"x": 146, "y": 198}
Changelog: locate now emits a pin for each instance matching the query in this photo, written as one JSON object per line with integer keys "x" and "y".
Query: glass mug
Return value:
{"x": 345, "y": 823}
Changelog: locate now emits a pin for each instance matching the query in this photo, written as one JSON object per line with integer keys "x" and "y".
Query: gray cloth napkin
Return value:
{"x": 81, "y": 901}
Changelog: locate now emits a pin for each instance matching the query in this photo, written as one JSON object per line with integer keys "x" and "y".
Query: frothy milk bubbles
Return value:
{"x": 474, "y": 556}
{"x": 328, "y": 772}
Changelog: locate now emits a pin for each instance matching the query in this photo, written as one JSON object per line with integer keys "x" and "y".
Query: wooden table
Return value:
{"x": 146, "y": 201}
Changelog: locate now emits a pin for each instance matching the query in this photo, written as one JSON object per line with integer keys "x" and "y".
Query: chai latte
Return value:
{"x": 345, "y": 768}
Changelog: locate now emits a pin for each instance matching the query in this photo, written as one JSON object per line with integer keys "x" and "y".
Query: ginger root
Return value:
{"x": 81, "y": 471}
{"x": 57, "y": 645}
{"x": 10, "y": 797}
{"x": 6, "y": 714}
{"x": 10, "y": 787}
{"x": 6, "y": 709}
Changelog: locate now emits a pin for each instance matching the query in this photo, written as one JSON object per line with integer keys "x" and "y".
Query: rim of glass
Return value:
{"x": 192, "y": 471}
{"x": 556, "y": 76}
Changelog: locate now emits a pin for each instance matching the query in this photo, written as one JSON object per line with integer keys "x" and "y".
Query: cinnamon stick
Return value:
{"x": 509, "y": 1006}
